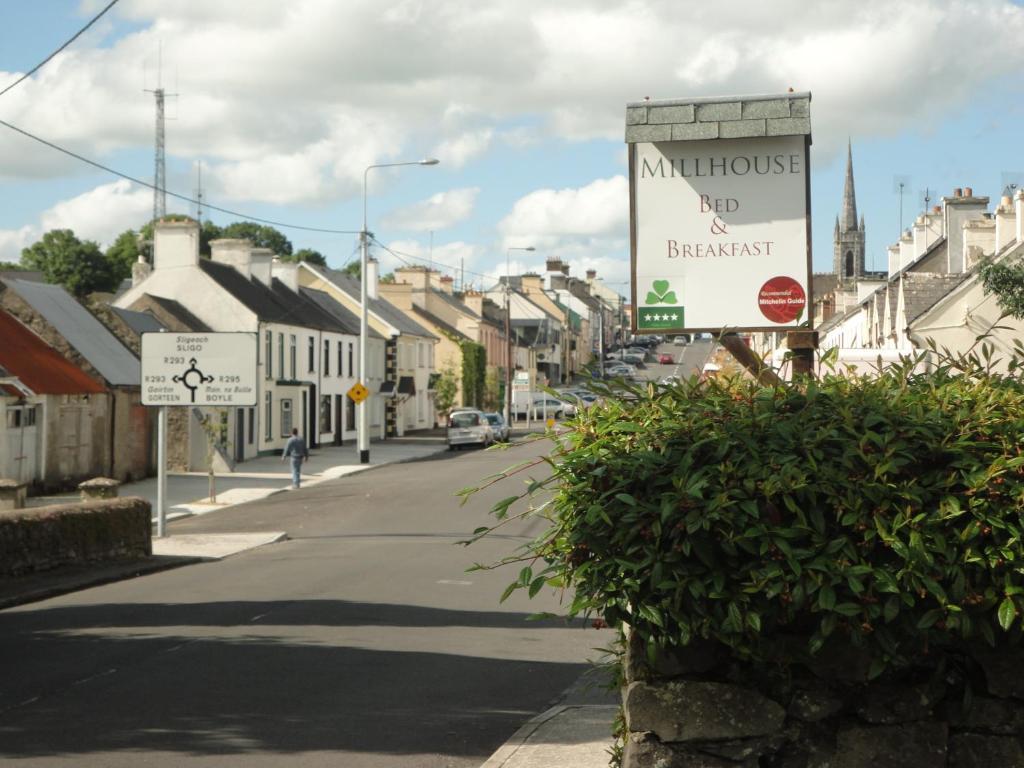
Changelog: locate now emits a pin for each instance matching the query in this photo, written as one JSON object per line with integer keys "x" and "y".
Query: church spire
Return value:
{"x": 849, "y": 218}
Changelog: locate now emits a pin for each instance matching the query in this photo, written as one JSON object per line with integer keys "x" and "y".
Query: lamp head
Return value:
{"x": 429, "y": 161}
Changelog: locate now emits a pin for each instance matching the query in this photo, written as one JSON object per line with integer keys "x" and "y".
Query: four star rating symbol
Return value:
{"x": 660, "y": 318}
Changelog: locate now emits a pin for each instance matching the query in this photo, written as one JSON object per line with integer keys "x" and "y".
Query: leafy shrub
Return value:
{"x": 884, "y": 512}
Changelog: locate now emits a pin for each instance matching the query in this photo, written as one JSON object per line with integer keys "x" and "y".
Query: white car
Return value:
{"x": 543, "y": 408}
{"x": 468, "y": 427}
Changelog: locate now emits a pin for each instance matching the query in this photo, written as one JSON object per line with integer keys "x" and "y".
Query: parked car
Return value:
{"x": 666, "y": 359}
{"x": 579, "y": 399}
{"x": 499, "y": 427}
{"x": 637, "y": 361}
{"x": 544, "y": 407}
{"x": 468, "y": 427}
{"x": 682, "y": 340}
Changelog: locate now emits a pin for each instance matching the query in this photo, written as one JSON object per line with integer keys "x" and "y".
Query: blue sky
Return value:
{"x": 523, "y": 103}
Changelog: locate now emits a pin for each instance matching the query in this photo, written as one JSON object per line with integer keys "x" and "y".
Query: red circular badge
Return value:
{"x": 782, "y": 299}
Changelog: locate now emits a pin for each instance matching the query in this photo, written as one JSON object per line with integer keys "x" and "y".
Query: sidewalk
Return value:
{"x": 188, "y": 492}
{"x": 567, "y": 736}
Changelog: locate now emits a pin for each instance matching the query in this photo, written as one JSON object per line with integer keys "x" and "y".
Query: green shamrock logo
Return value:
{"x": 660, "y": 293}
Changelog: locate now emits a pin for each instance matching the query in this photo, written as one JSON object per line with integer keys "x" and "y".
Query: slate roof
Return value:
{"x": 40, "y": 367}
{"x": 304, "y": 311}
{"x": 85, "y": 333}
{"x": 140, "y": 322}
{"x": 455, "y": 303}
{"x": 378, "y": 306}
{"x": 275, "y": 304}
{"x": 341, "y": 313}
{"x": 923, "y": 290}
{"x": 252, "y": 294}
{"x": 433, "y": 319}
{"x": 176, "y": 310}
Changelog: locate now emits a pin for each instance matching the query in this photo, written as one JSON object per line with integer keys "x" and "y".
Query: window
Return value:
{"x": 286, "y": 417}
{"x": 268, "y": 417}
{"x": 327, "y": 357}
{"x": 421, "y": 354}
{"x": 13, "y": 418}
{"x": 350, "y": 360}
{"x": 848, "y": 266}
{"x": 252, "y": 425}
{"x": 280, "y": 355}
{"x": 268, "y": 368}
{"x": 325, "y": 413}
{"x": 341, "y": 360}
{"x": 312, "y": 354}
{"x": 292, "y": 352}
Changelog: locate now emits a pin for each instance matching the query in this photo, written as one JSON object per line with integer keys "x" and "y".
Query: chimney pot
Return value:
{"x": 958, "y": 192}
{"x": 968, "y": 192}
{"x": 591, "y": 274}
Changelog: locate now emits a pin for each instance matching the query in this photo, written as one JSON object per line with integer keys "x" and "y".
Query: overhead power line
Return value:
{"x": 404, "y": 257}
{"x": 185, "y": 198}
{"x": 69, "y": 41}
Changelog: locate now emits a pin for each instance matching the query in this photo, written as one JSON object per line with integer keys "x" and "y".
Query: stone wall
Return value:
{"x": 696, "y": 708}
{"x": 718, "y": 118}
{"x": 42, "y": 538}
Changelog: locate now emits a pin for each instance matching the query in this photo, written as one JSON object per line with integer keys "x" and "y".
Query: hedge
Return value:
{"x": 883, "y": 512}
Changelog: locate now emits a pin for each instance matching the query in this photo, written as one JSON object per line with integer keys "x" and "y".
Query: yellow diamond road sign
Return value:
{"x": 358, "y": 393}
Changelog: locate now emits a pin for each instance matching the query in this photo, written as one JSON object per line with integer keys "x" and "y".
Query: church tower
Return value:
{"x": 848, "y": 241}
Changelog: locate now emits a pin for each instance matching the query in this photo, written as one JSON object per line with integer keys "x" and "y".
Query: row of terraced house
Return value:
{"x": 70, "y": 403}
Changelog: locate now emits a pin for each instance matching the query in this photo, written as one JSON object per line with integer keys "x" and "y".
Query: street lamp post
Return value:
{"x": 363, "y": 412}
{"x": 508, "y": 331}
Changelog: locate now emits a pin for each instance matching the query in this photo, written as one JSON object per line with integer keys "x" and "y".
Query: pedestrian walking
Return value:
{"x": 296, "y": 450}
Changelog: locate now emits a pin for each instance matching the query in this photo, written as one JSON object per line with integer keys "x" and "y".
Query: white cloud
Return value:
{"x": 12, "y": 241}
{"x": 460, "y": 150}
{"x": 547, "y": 217}
{"x": 440, "y": 211}
{"x": 101, "y": 214}
{"x": 414, "y": 75}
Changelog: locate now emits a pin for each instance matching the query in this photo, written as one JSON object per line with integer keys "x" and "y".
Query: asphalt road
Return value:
{"x": 362, "y": 641}
{"x": 688, "y": 359}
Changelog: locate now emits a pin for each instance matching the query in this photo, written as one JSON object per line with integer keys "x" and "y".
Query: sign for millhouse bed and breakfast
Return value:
{"x": 199, "y": 369}
{"x": 720, "y": 232}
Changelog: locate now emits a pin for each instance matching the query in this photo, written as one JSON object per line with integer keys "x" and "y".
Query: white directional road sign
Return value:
{"x": 199, "y": 369}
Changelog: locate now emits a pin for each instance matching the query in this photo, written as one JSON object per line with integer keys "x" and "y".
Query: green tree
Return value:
{"x": 1006, "y": 281}
{"x": 353, "y": 269}
{"x": 123, "y": 253}
{"x": 445, "y": 389}
{"x": 77, "y": 265}
{"x": 260, "y": 235}
{"x": 308, "y": 255}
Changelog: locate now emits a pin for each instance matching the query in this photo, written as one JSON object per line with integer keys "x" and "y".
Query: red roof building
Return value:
{"x": 37, "y": 365}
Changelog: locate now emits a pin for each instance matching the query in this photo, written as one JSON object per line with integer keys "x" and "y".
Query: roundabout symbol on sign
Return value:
{"x": 192, "y": 374}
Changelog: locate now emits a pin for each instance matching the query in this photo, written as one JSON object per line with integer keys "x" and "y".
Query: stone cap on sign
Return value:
{"x": 719, "y": 117}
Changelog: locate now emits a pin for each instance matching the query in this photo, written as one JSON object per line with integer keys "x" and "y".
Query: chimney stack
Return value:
{"x": 235, "y": 252}
{"x": 175, "y": 244}
{"x": 591, "y": 274}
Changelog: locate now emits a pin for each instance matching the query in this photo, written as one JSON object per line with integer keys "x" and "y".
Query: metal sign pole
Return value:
{"x": 161, "y": 473}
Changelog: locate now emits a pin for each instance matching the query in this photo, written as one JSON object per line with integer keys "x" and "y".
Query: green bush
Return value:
{"x": 883, "y": 512}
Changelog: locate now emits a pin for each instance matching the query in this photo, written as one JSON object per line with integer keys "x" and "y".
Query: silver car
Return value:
{"x": 466, "y": 427}
{"x": 498, "y": 426}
